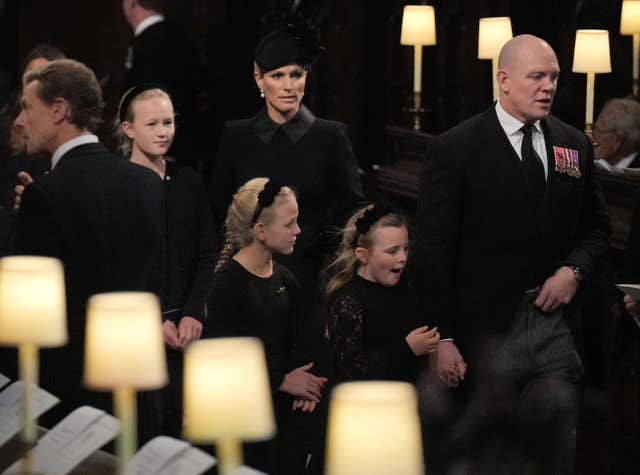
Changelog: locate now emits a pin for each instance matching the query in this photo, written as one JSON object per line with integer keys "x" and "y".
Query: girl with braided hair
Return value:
{"x": 253, "y": 295}
{"x": 373, "y": 324}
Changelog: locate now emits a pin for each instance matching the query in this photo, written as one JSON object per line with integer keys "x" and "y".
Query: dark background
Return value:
{"x": 363, "y": 79}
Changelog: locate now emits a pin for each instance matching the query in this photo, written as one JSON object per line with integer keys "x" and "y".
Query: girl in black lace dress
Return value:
{"x": 253, "y": 295}
{"x": 373, "y": 324}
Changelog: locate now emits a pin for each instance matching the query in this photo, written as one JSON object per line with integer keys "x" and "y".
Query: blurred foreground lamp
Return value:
{"x": 418, "y": 30}
{"x": 630, "y": 25}
{"x": 374, "y": 429}
{"x": 591, "y": 56}
{"x": 32, "y": 315}
{"x": 227, "y": 398}
{"x": 124, "y": 351}
{"x": 493, "y": 33}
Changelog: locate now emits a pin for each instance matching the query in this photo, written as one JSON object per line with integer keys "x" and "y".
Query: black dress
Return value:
{"x": 367, "y": 326}
{"x": 182, "y": 280}
{"x": 311, "y": 155}
{"x": 243, "y": 304}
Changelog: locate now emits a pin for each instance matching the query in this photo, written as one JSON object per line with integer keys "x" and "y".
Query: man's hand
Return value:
{"x": 448, "y": 364}
{"x": 25, "y": 180}
{"x": 558, "y": 290}
{"x": 299, "y": 382}
{"x": 305, "y": 405}
{"x": 189, "y": 329}
{"x": 170, "y": 334}
{"x": 632, "y": 305}
{"x": 423, "y": 341}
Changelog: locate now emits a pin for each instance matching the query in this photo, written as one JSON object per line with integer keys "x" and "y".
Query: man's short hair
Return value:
{"x": 623, "y": 116}
{"x": 42, "y": 50}
{"x": 77, "y": 85}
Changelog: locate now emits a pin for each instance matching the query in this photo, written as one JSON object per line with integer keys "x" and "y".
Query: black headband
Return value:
{"x": 131, "y": 94}
{"x": 370, "y": 217}
{"x": 266, "y": 198}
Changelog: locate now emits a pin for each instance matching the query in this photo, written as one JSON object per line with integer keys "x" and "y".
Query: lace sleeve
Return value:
{"x": 344, "y": 325}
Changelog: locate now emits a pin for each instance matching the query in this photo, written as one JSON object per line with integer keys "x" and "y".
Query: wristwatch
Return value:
{"x": 577, "y": 273}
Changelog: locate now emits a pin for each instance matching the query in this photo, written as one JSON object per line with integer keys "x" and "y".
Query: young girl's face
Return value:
{"x": 281, "y": 232}
{"x": 384, "y": 261}
{"x": 152, "y": 128}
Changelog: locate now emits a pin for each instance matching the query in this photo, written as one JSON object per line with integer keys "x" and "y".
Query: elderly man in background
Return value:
{"x": 616, "y": 136}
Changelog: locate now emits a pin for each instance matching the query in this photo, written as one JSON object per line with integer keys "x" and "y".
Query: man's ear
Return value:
{"x": 60, "y": 110}
{"x": 503, "y": 80}
{"x": 362, "y": 254}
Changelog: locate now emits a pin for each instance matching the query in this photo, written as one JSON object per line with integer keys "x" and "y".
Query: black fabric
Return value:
{"x": 533, "y": 168}
{"x": 243, "y": 304}
{"x": 182, "y": 279}
{"x": 99, "y": 215}
{"x": 188, "y": 244}
{"x": 163, "y": 54}
{"x": 319, "y": 166}
{"x": 367, "y": 326}
{"x": 477, "y": 247}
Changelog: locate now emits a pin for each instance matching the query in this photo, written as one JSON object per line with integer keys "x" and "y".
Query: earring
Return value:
{"x": 261, "y": 93}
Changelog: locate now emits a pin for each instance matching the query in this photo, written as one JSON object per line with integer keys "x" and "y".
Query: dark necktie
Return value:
{"x": 532, "y": 165}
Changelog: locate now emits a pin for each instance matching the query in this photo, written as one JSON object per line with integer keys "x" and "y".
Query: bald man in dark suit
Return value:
{"x": 510, "y": 222}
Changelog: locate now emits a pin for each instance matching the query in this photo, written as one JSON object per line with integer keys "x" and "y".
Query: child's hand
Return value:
{"x": 423, "y": 341}
{"x": 299, "y": 382}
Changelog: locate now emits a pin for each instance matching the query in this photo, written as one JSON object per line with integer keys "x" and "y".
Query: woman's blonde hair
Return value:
{"x": 124, "y": 142}
{"x": 345, "y": 264}
{"x": 239, "y": 223}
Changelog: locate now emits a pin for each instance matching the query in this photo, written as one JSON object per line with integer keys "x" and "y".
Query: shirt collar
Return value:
{"x": 146, "y": 23}
{"x": 74, "y": 142}
{"x": 295, "y": 128}
{"x": 509, "y": 123}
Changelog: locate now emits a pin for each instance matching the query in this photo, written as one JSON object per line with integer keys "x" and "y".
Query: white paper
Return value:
{"x": 191, "y": 462}
{"x": 168, "y": 456}
{"x": 3, "y": 380}
{"x": 245, "y": 470}
{"x": 71, "y": 441}
{"x": 11, "y": 408}
{"x": 631, "y": 289}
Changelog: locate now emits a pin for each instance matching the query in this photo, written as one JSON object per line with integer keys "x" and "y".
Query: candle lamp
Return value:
{"x": 124, "y": 351}
{"x": 227, "y": 397}
{"x": 32, "y": 315}
{"x": 374, "y": 428}
{"x": 630, "y": 25}
{"x": 493, "y": 33}
{"x": 418, "y": 30}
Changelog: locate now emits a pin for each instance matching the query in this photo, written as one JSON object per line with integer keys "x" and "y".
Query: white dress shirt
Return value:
{"x": 512, "y": 126}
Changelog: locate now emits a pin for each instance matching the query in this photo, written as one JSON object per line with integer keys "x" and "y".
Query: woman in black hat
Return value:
{"x": 287, "y": 143}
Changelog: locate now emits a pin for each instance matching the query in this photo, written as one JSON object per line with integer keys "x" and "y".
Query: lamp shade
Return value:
{"x": 374, "y": 429}
{"x": 226, "y": 391}
{"x": 123, "y": 343}
{"x": 418, "y": 25}
{"x": 32, "y": 301}
{"x": 591, "y": 52}
{"x": 630, "y": 17}
{"x": 493, "y": 33}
